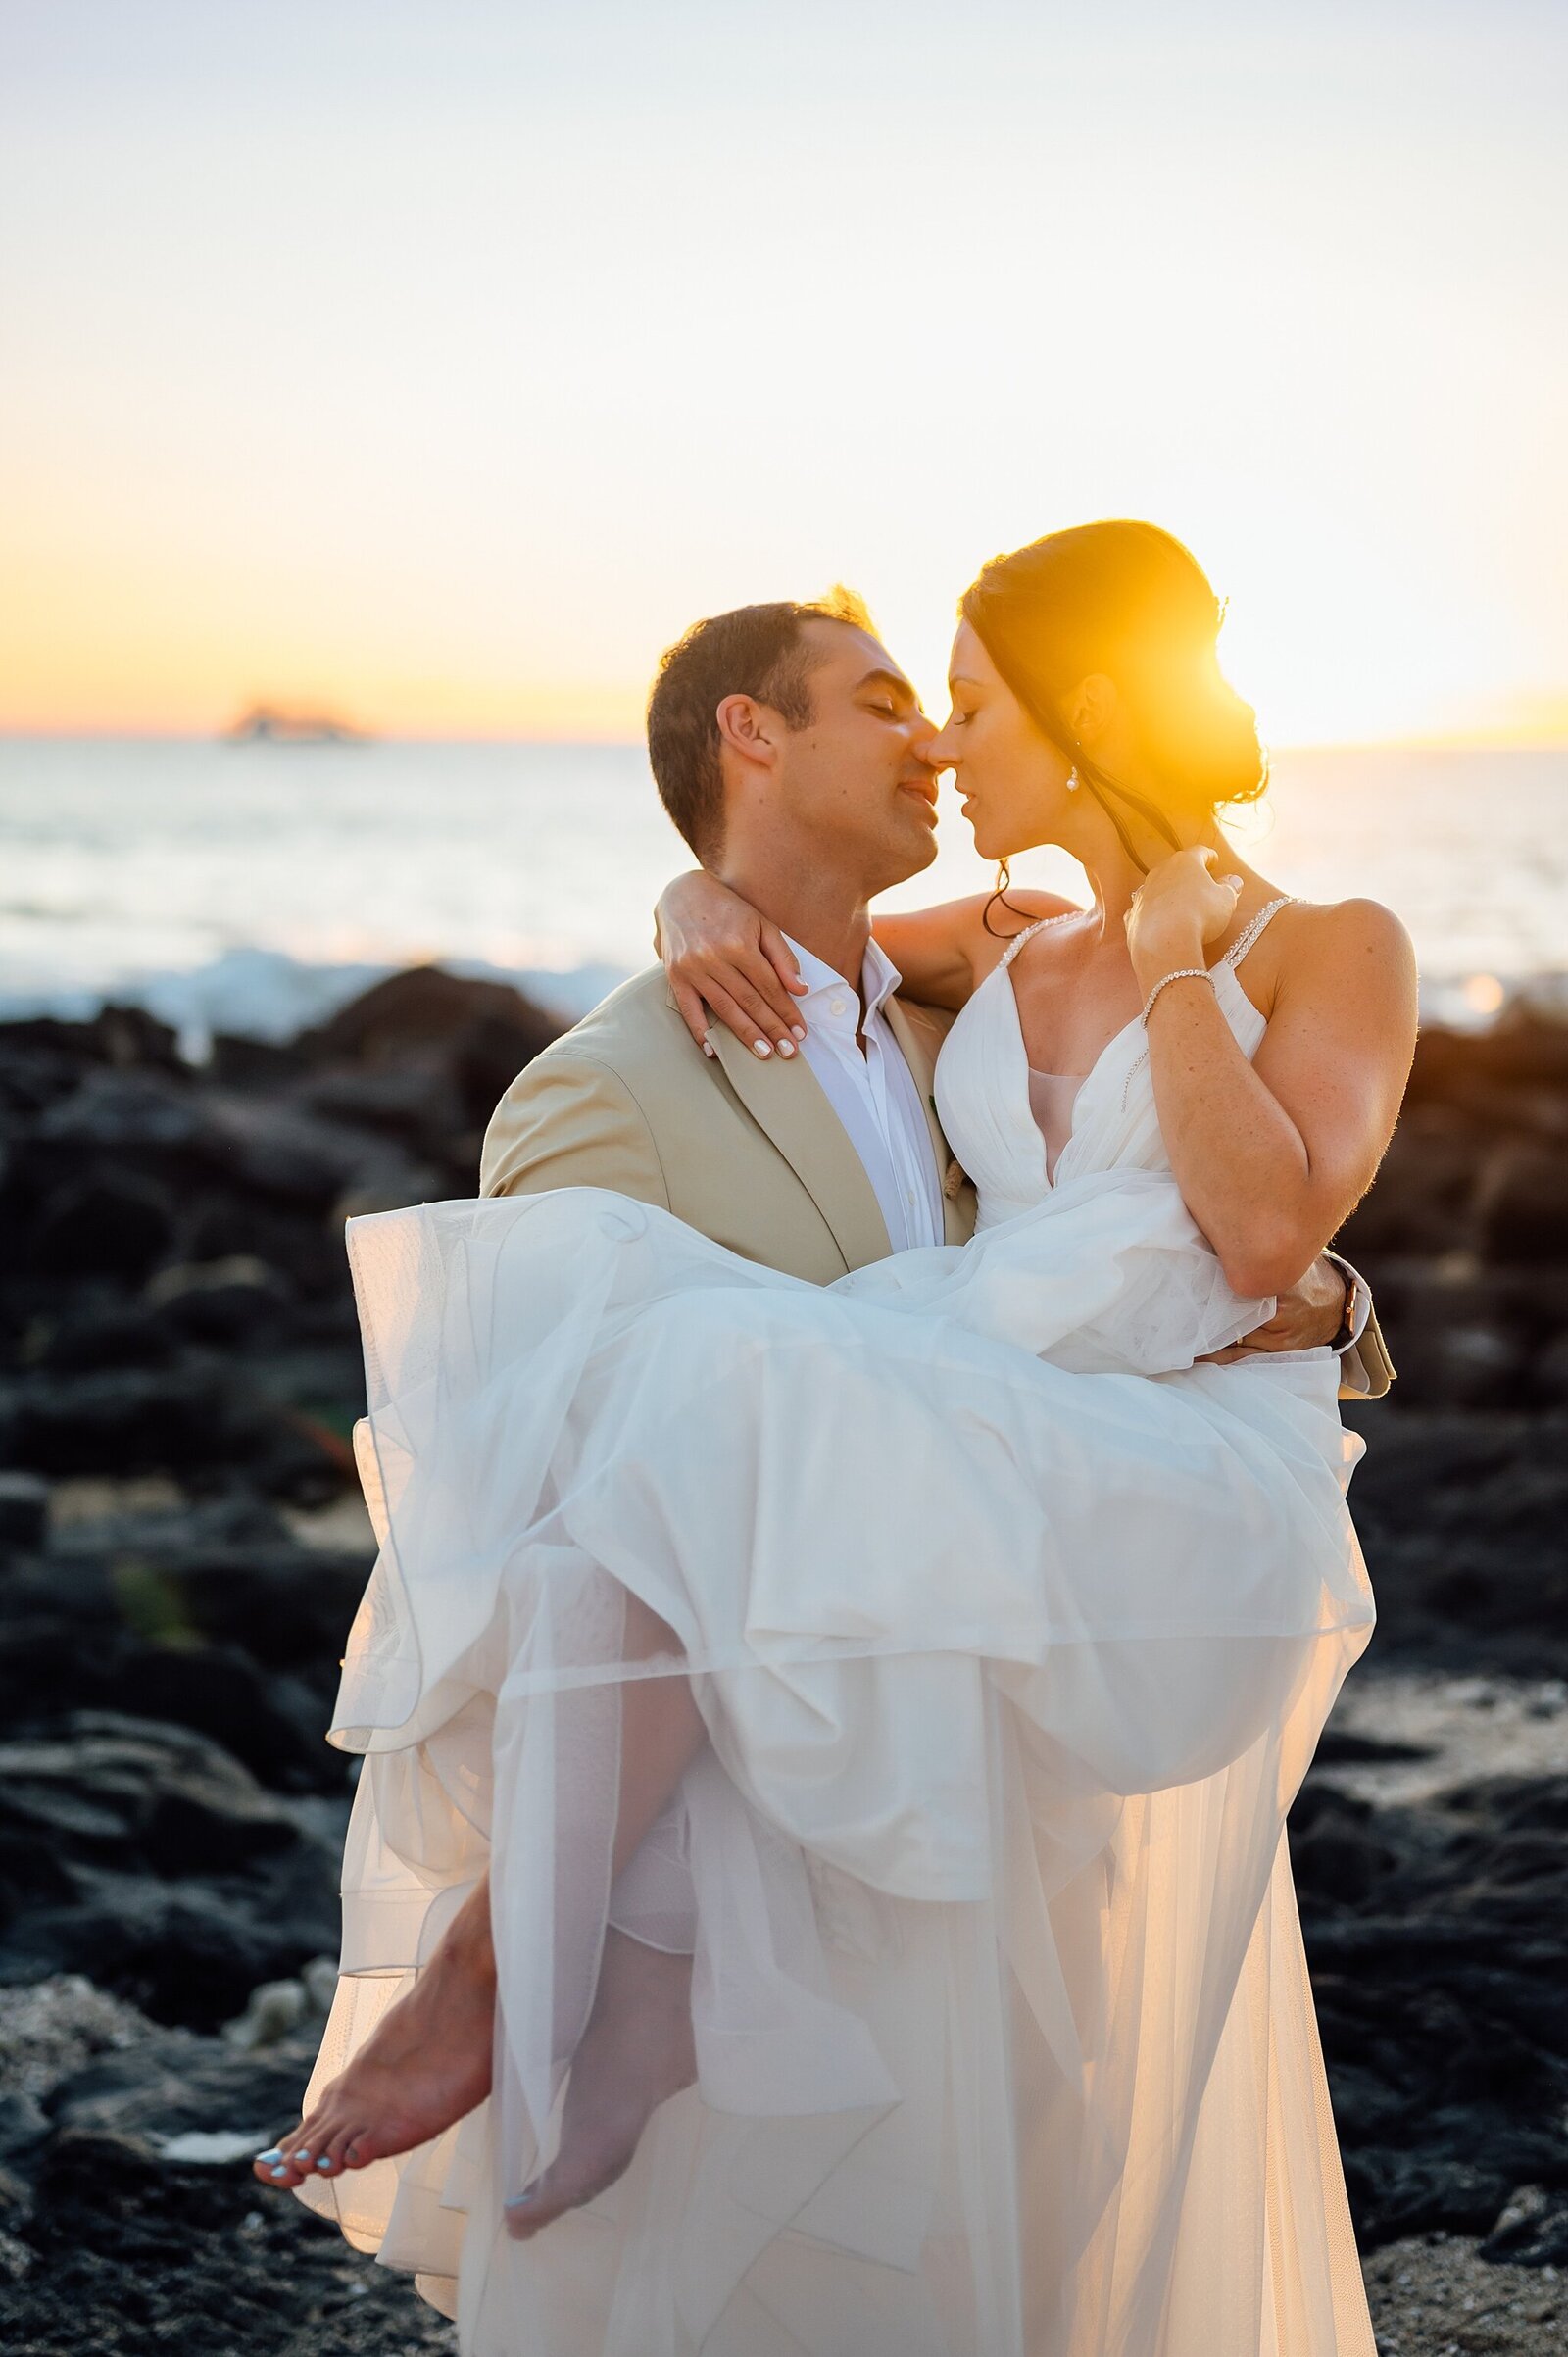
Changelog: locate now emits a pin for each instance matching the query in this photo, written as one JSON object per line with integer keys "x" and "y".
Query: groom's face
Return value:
{"x": 856, "y": 776}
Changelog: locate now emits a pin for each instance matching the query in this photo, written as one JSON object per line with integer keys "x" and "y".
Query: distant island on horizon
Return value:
{"x": 275, "y": 724}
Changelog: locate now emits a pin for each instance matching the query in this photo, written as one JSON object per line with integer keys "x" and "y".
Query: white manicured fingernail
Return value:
{"x": 786, "y": 1046}
{"x": 763, "y": 1048}
{"x": 800, "y": 1032}
{"x": 708, "y": 1047}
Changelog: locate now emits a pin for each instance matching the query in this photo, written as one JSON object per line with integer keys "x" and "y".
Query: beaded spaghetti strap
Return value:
{"x": 1018, "y": 940}
{"x": 1253, "y": 928}
{"x": 1244, "y": 940}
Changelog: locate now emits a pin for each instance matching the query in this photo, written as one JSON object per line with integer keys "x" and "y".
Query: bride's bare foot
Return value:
{"x": 428, "y": 2063}
{"x": 636, "y": 2052}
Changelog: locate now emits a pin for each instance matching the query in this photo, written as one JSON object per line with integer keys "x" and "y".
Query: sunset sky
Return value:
{"x": 438, "y": 360}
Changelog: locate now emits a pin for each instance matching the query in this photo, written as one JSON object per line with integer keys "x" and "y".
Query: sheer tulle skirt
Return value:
{"x": 1012, "y": 1632}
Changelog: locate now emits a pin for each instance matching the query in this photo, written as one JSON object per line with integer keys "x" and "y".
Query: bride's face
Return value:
{"x": 1013, "y": 781}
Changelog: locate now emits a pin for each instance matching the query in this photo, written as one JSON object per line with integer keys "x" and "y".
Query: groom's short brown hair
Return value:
{"x": 758, "y": 651}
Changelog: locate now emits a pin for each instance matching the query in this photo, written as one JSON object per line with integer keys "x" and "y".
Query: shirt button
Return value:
{"x": 837, "y": 1005}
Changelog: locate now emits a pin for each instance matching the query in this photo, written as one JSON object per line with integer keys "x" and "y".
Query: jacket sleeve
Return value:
{"x": 1366, "y": 1371}
{"x": 569, "y": 1121}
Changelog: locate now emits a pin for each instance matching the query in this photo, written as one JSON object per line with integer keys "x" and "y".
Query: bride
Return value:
{"x": 933, "y": 1656}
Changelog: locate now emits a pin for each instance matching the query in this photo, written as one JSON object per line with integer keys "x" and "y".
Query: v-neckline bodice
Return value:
{"x": 1084, "y": 1081}
{"x": 983, "y": 1088}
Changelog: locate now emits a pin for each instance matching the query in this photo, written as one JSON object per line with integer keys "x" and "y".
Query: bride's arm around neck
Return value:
{"x": 724, "y": 958}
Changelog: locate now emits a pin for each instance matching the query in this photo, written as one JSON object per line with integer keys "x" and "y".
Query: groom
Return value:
{"x": 793, "y": 756}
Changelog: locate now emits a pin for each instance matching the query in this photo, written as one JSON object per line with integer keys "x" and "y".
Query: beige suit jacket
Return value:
{"x": 747, "y": 1149}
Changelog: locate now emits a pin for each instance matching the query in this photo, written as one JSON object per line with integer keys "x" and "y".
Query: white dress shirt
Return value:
{"x": 874, "y": 1095}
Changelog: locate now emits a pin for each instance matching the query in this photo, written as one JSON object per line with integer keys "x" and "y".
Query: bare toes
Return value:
{"x": 273, "y": 2166}
{"x": 338, "y": 2151}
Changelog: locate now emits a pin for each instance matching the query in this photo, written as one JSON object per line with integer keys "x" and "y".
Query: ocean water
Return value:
{"x": 253, "y": 888}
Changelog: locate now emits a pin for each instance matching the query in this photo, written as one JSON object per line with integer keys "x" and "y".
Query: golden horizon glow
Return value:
{"x": 438, "y": 373}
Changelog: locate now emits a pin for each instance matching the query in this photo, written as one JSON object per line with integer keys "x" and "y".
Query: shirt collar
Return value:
{"x": 879, "y": 979}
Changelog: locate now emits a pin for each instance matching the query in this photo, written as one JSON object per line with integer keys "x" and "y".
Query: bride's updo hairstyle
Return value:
{"x": 1127, "y": 599}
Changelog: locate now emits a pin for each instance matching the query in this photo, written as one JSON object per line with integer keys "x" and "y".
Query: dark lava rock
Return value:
{"x": 133, "y": 2261}
{"x": 124, "y": 1110}
{"x": 121, "y": 2242}
{"x": 284, "y": 1152}
{"x": 110, "y": 1224}
{"x": 1523, "y": 1205}
{"x": 1465, "y": 1521}
{"x": 1421, "y": 1199}
{"x": 183, "y": 1419}
{"x": 1512, "y": 1076}
{"x": 210, "y": 1617}
{"x": 176, "y": 1301}
{"x": 1533, "y": 2231}
{"x": 148, "y": 1859}
{"x": 171, "y": 2084}
{"x": 1336, "y": 1850}
{"x": 1341, "y": 1747}
{"x": 132, "y": 2255}
{"x": 1438, "y": 1939}
{"x": 88, "y": 1333}
{"x": 24, "y": 2125}
{"x": 23, "y": 1512}
{"x": 424, "y": 1006}
{"x": 232, "y": 1303}
{"x": 1464, "y": 1236}
{"x": 423, "y": 1058}
{"x": 123, "y": 1036}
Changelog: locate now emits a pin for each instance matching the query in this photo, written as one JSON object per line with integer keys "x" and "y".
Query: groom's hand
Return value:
{"x": 1308, "y": 1318}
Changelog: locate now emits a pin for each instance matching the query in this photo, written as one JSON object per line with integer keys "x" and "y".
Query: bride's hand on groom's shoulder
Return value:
{"x": 727, "y": 962}
{"x": 1180, "y": 907}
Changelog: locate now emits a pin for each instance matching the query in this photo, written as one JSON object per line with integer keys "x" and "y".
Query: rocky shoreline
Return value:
{"x": 182, "y": 1547}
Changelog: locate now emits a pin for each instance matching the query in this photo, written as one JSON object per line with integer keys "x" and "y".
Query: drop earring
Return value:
{"x": 1073, "y": 781}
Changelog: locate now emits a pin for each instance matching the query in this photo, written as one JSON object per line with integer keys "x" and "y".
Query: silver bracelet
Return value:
{"x": 1183, "y": 973}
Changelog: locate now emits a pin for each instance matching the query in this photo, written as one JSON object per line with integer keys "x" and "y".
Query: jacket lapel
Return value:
{"x": 786, "y": 1101}
{"x": 919, "y": 1048}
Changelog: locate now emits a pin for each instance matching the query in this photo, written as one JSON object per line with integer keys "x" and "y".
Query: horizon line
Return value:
{"x": 1418, "y": 741}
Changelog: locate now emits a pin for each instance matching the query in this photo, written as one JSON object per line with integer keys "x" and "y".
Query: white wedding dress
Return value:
{"x": 1014, "y": 1630}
